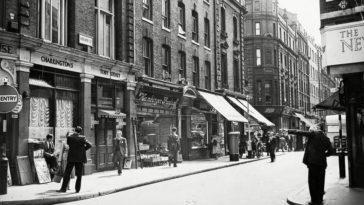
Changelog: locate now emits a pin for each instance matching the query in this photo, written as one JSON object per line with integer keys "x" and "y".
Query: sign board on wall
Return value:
{"x": 343, "y": 44}
{"x": 55, "y": 62}
{"x": 84, "y": 39}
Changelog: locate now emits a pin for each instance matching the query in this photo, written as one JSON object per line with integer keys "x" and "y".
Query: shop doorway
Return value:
{"x": 105, "y": 132}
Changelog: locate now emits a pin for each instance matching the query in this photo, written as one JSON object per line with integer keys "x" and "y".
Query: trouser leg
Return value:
{"x": 175, "y": 158}
{"x": 67, "y": 175}
{"x": 79, "y": 170}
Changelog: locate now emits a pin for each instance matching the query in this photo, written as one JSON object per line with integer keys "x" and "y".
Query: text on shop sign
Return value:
{"x": 144, "y": 97}
{"x": 112, "y": 74}
{"x": 351, "y": 40}
{"x": 63, "y": 63}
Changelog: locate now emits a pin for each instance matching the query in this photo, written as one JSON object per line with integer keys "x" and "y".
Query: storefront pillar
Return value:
{"x": 186, "y": 133}
{"x": 85, "y": 115}
{"x": 130, "y": 109}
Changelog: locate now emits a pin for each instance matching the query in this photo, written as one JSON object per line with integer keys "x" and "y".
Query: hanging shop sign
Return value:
{"x": 8, "y": 98}
{"x": 343, "y": 44}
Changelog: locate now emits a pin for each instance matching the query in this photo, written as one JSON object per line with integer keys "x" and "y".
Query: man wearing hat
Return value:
{"x": 173, "y": 146}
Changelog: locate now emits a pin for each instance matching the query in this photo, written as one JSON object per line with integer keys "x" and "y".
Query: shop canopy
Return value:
{"x": 111, "y": 114}
{"x": 305, "y": 120}
{"x": 243, "y": 104}
{"x": 223, "y": 107}
{"x": 331, "y": 103}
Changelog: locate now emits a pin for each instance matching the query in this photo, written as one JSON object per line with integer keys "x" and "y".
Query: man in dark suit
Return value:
{"x": 49, "y": 156}
{"x": 271, "y": 146}
{"x": 317, "y": 149}
{"x": 76, "y": 158}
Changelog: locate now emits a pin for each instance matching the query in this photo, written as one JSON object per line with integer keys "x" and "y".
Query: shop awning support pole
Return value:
{"x": 341, "y": 151}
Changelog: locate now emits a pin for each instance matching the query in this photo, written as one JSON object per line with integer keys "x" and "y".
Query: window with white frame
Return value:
{"x": 182, "y": 64}
{"x": 105, "y": 27}
{"x": 147, "y": 9}
{"x": 258, "y": 56}
{"x": 148, "y": 56}
{"x": 196, "y": 71}
{"x": 53, "y": 21}
{"x": 181, "y": 19}
{"x": 166, "y": 13}
{"x": 257, "y": 28}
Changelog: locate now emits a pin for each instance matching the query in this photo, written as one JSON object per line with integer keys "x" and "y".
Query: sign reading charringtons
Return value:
{"x": 343, "y": 44}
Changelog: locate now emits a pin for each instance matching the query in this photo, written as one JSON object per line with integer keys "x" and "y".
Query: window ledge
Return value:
{"x": 194, "y": 42}
{"x": 166, "y": 29}
{"x": 181, "y": 36}
{"x": 207, "y": 48}
{"x": 147, "y": 20}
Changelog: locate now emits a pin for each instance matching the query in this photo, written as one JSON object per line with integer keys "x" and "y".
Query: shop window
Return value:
{"x": 199, "y": 128}
{"x": 105, "y": 27}
{"x": 53, "y": 17}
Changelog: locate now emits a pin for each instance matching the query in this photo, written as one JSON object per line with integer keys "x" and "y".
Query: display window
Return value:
{"x": 199, "y": 131}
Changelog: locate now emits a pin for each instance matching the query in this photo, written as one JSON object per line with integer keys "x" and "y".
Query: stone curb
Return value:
{"x": 62, "y": 199}
{"x": 290, "y": 198}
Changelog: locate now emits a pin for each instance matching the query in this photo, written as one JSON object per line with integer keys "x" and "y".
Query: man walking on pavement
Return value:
{"x": 317, "y": 149}
{"x": 76, "y": 158}
{"x": 272, "y": 144}
{"x": 120, "y": 151}
{"x": 173, "y": 146}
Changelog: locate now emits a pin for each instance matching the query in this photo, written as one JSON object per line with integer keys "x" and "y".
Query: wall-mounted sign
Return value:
{"x": 110, "y": 74}
{"x": 55, "y": 62}
{"x": 8, "y": 98}
{"x": 156, "y": 99}
{"x": 343, "y": 44}
{"x": 85, "y": 40}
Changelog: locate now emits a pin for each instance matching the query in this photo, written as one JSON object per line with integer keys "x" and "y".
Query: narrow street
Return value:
{"x": 257, "y": 183}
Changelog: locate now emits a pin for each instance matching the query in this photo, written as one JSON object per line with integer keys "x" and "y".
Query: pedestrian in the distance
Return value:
{"x": 318, "y": 147}
{"x": 76, "y": 158}
{"x": 272, "y": 145}
{"x": 120, "y": 151}
{"x": 173, "y": 146}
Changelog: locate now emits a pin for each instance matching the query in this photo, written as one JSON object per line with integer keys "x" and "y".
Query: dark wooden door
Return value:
{"x": 105, "y": 133}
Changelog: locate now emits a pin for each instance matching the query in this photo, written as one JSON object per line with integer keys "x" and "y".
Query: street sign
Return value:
{"x": 8, "y": 98}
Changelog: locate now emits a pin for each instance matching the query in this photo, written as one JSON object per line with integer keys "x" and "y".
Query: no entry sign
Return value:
{"x": 8, "y": 98}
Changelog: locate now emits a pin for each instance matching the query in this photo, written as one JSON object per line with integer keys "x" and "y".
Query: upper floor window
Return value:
{"x": 235, "y": 25}
{"x": 53, "y": 21}
{"x": 2, "y": 13}
{"x": 166, "y": 13}
{"x": 105, "y": 27}
{"x": 274, "y": 30}
{"x": 258, "y": 57}
{"x": 181, "y": 19}
{"x": 166, "y": 61}
{"x": 207, "y": 33}
{"x": 207, "y": 75}
{"x": 148, "y": 56}
{"x": 259, "y": 91}
{"x": 224, "y": 69}
{"x": 223, "y": 20}
{"x": 257, "y": 28}
{"x": 147, "y": 9}
{"x": 236, "y": 75}
{"x": 268, "y": 92}
{"x": 196, "y": 71}
{"x": 194, "y": 26}
{"x": 182, "y": 64}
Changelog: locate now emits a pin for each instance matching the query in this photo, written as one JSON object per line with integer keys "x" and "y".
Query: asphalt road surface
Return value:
{"x": 257, "y": 183}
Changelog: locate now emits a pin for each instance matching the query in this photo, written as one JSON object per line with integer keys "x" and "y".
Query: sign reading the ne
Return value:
{"x": 343, "y": 44}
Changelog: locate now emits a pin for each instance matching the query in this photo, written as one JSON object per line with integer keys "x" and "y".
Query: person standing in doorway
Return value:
{"x": 173, "y": 146}
{"x": 318, "y": 147}
{"x": 120, "y": 151}
{"x": 78, "y": 145}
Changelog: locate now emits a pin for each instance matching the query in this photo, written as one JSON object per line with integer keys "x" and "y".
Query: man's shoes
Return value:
{"x": 61, "y": 191}
{"x": 77, "y": 191}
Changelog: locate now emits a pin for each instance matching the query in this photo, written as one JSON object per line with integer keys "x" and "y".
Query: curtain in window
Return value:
{"x": 39, "y": 112}
{"x": 64, "y": 114}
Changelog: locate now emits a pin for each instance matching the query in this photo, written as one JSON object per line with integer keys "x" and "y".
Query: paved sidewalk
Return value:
{"x": 102, "y": 183}
{"x": 337, "y": 191}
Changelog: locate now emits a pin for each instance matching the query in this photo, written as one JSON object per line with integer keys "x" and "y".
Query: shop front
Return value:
{"x": 208, "y": 117}
{"x": 157, "y": 113}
